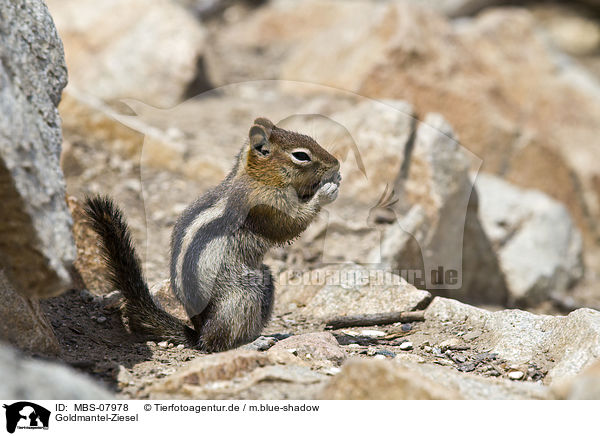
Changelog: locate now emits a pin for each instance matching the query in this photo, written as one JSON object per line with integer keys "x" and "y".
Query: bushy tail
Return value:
{"x": 125, "y": 274}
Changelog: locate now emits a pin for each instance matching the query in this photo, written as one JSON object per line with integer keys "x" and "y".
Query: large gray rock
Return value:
{"x": 539, "y": 247}
{"x": 31, "y": 379}
{"x": 433, "y": 230}
{"x": 438, "y": 230}
{"x": 563, "y": 345}
{"x": 36, "y": 244}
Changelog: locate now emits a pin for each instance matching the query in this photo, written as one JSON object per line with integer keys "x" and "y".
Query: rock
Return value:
{"x": 515, "y": 375}
{"x": 406, "y": 346}
{"x": 31, "y": 379}
{"x": 372, "y": 333}
{"x": 321, "y": 346}
{"x": 149, "y": 50}
{"x": 570, "y": 29}
{"x": 538, "y": 245}
{"x": 440, "y": 234}
{"x": 457, "y": 8}
{"x": 36, "y": 244}
{"x": 238, "y": 374}
{"x": 435, "y": 230}
{"x": 231, "y": 56}
{"x": 261, "y": 343}
{"x": 385, "y": 353}
{"x": 585, "y": 386}
{"x": 89, "y": 265}
{"x": 485, "y": 76}
{"x": 163, "y": 296}
{"x": 350, "y": 289}
{"x": 124, "y": 377}
{"x": 24, "y": 323}
{"x": 382, "y": 380}
{"x": 476, "y": 387}
{"x": 450, "y": 344}
{"x": 209, "y": 369}
{"x": 521, "y": 337}
{"x": 163, "y": 344}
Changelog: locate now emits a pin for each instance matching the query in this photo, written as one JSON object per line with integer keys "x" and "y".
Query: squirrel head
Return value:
{"x": 282, "y": 158}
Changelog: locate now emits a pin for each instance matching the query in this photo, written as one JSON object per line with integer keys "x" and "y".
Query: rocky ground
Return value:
{"x": 467, "y": 135}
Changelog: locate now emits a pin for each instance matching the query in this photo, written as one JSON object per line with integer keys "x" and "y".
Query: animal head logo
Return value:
{"x": 26, "y": 415}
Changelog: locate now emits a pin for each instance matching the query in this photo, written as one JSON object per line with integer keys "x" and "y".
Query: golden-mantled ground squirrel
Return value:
{"x": 276, "y": 188}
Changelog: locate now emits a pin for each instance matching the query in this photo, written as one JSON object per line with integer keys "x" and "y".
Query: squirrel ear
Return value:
{"x": 259, "y": 140}
{"x": 267, "y": 124}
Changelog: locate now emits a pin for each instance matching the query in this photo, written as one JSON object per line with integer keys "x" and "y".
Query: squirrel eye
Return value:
{"x": 301, "y": 156}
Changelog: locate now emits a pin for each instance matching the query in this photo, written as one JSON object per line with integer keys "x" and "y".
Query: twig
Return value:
{"x": 375, "y": 319}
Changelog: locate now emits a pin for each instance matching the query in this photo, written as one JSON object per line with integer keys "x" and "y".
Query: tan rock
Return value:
{"x": 89, "y": 265}
{"x": 564, "y": 345}
{"x": 239, "y": 374}
{"x": 493, "y": 78}
{"x": 321, "y": 346}
{"x": 145, "y": 50}
{"x": 24, "y": 324}
{"x": 213, "y": 368}
{"x": 584, "y": 386}
{"x": 163, "y": 295}
{"x": 383, "y": 380}
{"x": 349, "y": 289}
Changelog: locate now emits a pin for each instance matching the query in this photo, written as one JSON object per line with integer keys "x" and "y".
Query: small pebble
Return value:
{"x": 379, "y": 357}
{"x": 331, "y": 371}
{"x": 406, "y": 327}
{"x": 180, "y": 347}
{"x": 350, "y": 332}
{"x": 86, "y": 295}
{"x": 101, "y": 319}
{"x": 468, "y": 367}
{"x": 386, "y": 353}
{"x": 372, "y": 333}
{"x": 460, "y": 359}
{"x": 353, "y": 346}
{"x": 405, "y": 346}
{"x": 171, "y": 345}
{"x": 515, "y": 375}
{"x": 427, "y": 349}
{"x": 452, "y": 344}
{"x": 163, "y": 344}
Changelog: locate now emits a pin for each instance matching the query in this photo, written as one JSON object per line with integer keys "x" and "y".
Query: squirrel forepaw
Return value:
{"x": 328, "y": 193}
